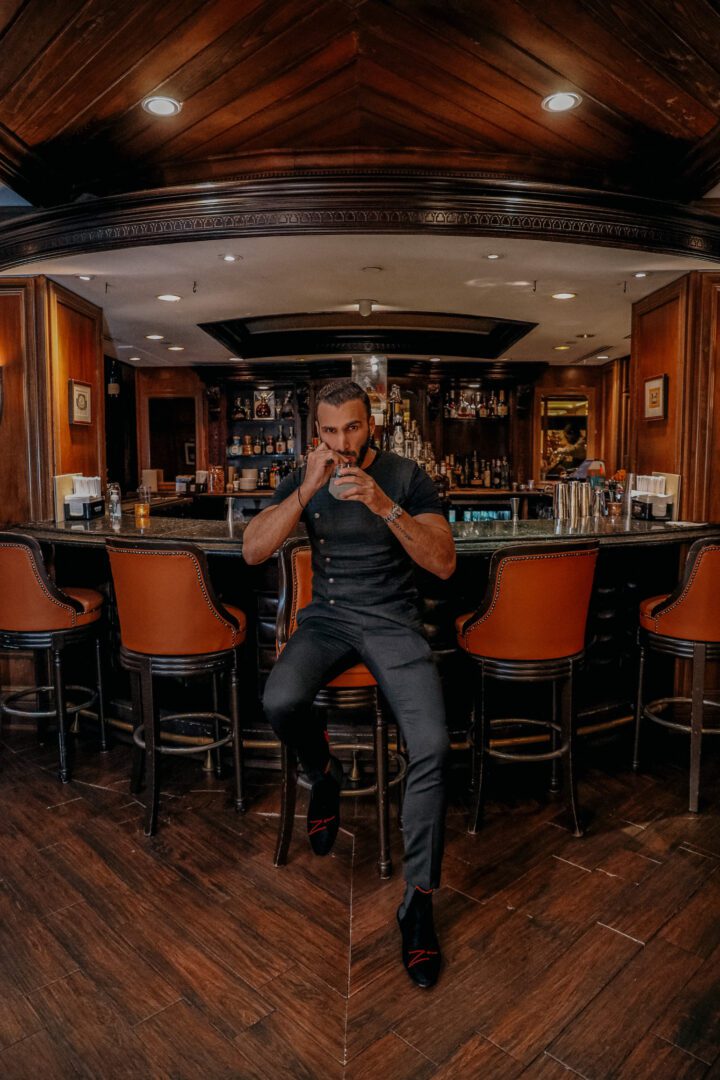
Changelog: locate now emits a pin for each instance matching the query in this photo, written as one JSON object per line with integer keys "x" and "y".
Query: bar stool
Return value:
{"x": 37, "y": 616}
{"x": 530, "y": 627}
{"x": 172, "y": 625}
{"x": 355, "y": 688}
{"x": 684, "y": 624}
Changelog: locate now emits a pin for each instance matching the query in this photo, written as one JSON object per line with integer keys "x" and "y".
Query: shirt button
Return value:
{"x": 332, "y": 601}
{"x": 321, "y": 540}
{"x": 316, "y": 515}
{"x": 327, "y": 558}
{"x": 331, "y": 580}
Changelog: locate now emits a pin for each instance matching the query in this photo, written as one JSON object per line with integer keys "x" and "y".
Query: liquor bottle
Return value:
{"x": 482, "y": 407}
{"x": 492, "y": 405}
{"x": 290, "y": 445}
{"x": 286, "y": 412}
{"x": 262, "y": 407}
{"x": 505, "y": 473}
{"x": 269, "y": 443}
{"x": 466, "y": 472}
{"x": 502, "y": 404}
{"x": 398, "y": 437}
{"x": 258, "y": 444}
{"x": 496, "y": 473}
{"x": 453, "y": 406}
{"x": 280, "y": 444}
{"x": 487, "y": 477}
{"x": 476, "y": 479}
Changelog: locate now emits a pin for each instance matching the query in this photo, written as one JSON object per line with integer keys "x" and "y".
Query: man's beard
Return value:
{"x": 359, "y": 457}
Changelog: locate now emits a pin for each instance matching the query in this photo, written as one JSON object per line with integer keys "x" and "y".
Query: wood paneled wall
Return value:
{"x": 170, "y": 382}
{"x": 47, "y": 336}
{"x": 675, "y": 333}
{"x": 75, "y": 352}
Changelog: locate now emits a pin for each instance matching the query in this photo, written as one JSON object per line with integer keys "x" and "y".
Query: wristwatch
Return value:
{"x": 393, "y": 515}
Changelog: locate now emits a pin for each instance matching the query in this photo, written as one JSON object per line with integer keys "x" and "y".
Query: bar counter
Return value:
{"x": 637, "y": 559}
{"x": 481, "y": 537}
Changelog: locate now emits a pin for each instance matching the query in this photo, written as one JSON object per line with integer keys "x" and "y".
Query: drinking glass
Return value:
{"x": 142, "y": 507}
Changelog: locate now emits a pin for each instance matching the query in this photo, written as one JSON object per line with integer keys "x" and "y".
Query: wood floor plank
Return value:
{"x": 597, "y": 1042}
{"x": 692, "y": 1020}
{"x": 546, "y": 1067}
{"x": 392, "y": 1059}
{"x": 18, "y": 1019}
{"x": 93, "y": 1037}
{"x": 479, "y": 1058}
{"x": 640, "y": 910}
{"x": 304, "y": 998}
{"x": 30, "y": 955}
{"x": 182, "y": 1044}
{"x": 134, "y": 986}
{"x": 41, "y": 1055}
{"x": 524, "y": 1020}
{"x": 695, "y": 926}
{"x": 275, "y": 1046}
{"x": 654, "y": 1059}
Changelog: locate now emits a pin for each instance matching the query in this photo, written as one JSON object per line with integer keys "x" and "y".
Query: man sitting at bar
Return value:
{"x": 385, "y": 513}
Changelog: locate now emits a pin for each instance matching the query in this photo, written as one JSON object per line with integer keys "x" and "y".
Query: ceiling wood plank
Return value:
{"x": 471, "y": 66}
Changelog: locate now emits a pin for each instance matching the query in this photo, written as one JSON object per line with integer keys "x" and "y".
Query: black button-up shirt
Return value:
{"x": 358, "y": 564}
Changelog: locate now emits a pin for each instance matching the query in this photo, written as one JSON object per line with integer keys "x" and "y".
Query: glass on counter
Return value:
{"x": 142, "y": 507}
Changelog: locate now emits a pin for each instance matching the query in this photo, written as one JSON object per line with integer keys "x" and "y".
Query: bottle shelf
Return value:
{"x": 262, "y": 420}
{"x": 270, "y": 454}
{"x": 474, "y": 419}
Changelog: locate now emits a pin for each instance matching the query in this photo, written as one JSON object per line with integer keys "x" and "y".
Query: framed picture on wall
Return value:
{"x": 80, "y": 402}
{"x": 655, "y": 398}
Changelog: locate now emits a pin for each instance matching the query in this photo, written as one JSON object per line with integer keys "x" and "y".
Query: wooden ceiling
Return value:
{"x": 290, "y": 85}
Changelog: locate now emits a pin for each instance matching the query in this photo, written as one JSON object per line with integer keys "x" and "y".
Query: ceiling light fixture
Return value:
{"x": 640, "y": 273}
{"x": 493, "y": 256}
{"x": 162, "y": 106}
{"x": 372, "y": 269}
{"x": 176, "y": 348}
{"x": 564, "y": 295}
{"x": 560, "y": 348}
{"x": 365, "y": 307}
{"x": 603, "y": 357}
{"x": 520, "y": 283}
{"x": 170, "y": 297}
{"x": 154, "y": 337}
{"x": 231, "y": 258}
{"x": 85, "y": 277}
{"x": 562, "y": 102}
{"x": 134, "y": 359}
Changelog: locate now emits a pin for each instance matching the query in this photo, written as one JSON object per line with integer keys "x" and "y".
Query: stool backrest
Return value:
{"x": 165, "y": 600}
{"x": 296, "y": 577}
{"x": 29, "y": 601}
{"x": 536, "y": 603}
{"x": 692, "y": 611}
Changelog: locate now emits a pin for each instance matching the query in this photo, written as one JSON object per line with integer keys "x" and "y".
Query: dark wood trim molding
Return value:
{"x": 361, "y": 202}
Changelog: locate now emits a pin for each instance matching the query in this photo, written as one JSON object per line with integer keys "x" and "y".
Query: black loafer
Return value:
{"x": 420, "y": 947}
{"x": 323, "y": 817}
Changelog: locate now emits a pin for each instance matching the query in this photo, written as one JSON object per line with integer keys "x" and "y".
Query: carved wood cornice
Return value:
{"x": 367, "y": 202}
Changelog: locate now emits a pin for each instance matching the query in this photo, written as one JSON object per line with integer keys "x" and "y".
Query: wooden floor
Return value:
{"x": 190, "y": 956}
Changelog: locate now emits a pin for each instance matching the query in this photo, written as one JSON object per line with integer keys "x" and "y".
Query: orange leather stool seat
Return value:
{"x": 530, "y": 626}
{"x": 36, "y": 615}
{"x": 354, "y": 688}
{"x": 172, "y": 624}
{"x": 684, "y": 624}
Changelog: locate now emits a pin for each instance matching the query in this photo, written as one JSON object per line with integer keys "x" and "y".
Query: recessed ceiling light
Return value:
{"x": 123, "y": 346}
{"x": 234, "y": 359}
{"x": 561, "y": 102}
{"x": 585, "y": 335}
{"x": 85, "y": 277}
{"x": 520, "y": 283}
{"x": 176, "y": 348}
{"x": 560, "y": 348}
{"x": 132, "y": 358}
{"x": 162, "y": 106}
{"x": 564, "y": 295}
{"x": 493, "y": 256}
{"x": 231, "y": 258}
{"x": 640, "y": 273}
{"x": 171, "y": 297}
{"x": 372, "y": 269}
{"x": 603, "y": 357}
{"x": 154, "y": 337}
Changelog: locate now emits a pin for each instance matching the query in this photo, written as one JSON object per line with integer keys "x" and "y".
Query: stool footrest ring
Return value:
{"x": 394, "y": 756}
{"x": 649, "y": 713}
{"x": 41, "y": 714}
{"x": 185, "y": 751}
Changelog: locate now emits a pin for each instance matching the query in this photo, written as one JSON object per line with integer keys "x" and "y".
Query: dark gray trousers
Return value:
{"x": 401, "y": 661}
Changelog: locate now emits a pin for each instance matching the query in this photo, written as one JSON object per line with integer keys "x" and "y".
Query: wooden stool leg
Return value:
{"x": 236, "y": 738}
{"x": 138, "y": 763}
{"x": 60, "y": 710}
{"x": 381, "y": 790}
{"x": 696, "y": 722}
{"x": 100, "y": 695}
{"x": 639, "y": 709}
{"x": 152, "y": 752}
{"x": 555, "y": 766}
{"x": 568, "y": 735}
{"x": 216, "y": 726}
{"x": 287, "y": 804}
{"x": 480, "y": 757}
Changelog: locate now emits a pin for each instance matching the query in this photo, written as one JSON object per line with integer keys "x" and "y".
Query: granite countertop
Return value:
{"x": 471, "y": 537}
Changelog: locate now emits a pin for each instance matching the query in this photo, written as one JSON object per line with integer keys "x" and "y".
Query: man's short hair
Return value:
{"x": 341, "y": 390}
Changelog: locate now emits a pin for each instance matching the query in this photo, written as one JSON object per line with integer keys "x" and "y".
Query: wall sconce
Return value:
{"x": 1, "y": 391}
